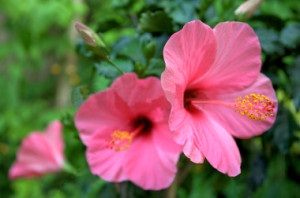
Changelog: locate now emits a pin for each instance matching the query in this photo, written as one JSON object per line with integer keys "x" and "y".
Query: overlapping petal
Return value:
{"x": 191, "y": 51}
{"x": 242, "y": 126}
{"x": 159, "y": 165}
{"x": 149, "y": 89}
{"x": 238, "y": 60}
{"x": 104, "y": 162}
{"x": 218, "y": 146}
{"x": 205, "y": 138}
{"x": 173, "y": 84}
{"x": 99, "y": 111}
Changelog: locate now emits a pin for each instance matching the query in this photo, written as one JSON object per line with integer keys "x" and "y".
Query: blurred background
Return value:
{"x": 46, "y": 71}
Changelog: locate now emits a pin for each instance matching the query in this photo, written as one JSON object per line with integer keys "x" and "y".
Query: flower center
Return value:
{"x": 254, "y": 106}
{"x": 121, "y": 140}
{"x": 189, "y": 97}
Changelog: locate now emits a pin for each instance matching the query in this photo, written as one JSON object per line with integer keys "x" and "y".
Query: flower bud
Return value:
{"x": 95, "y": 41}
{"x": 248, "y": 8}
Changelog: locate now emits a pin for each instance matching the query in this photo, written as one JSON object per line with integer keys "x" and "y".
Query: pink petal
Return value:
{"x": 238, "y": 60}
{"x": 173, "y": 85}
{"x": 205, "y": 137}
{"x": 54, "y": 137}
{"x": 166, "y": 147}
{"x": 105, "y": 162}
{"x": 218, "y": 146}
{"x": 146, "y": 167}
{"x": 179, "y": 120}
{"x": 191, "y": 51}
{"x": 137, "y": 91}
{"x": 242, "y": 126}
{"x": 21, "y": 170}
{"x": 183, "y": 129}
{"x": 99, "y": 111}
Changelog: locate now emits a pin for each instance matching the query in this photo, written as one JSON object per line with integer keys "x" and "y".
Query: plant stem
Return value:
{"x": 114, "y": 65}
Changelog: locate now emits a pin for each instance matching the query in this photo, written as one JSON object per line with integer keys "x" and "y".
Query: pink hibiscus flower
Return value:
{"x": 40, "y": 153}
{"x": 213, "y": 82}
{"x": 125, "y": 129}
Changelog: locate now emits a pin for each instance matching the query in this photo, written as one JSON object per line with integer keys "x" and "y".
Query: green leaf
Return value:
{"x": 156, "y": 22}
{"x": 269, "y": 40}
{"x": 281, "y": 133}
{"x": 156, "y": 67}
{"x": 290, "y": 35}
{"x": 294, "y": 74}
{"x": 107, "y": 70}
{"x": 129, "y": 47}
{"x": 182, "y": 12}
{"x": 100, "y": 83}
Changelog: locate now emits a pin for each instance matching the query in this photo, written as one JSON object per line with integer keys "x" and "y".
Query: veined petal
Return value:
{"x": 149, "y": 87}
{"x": 173, "y": 84}
{"x": 105, "y": 162}
{"x": 182, "y": 126}
{"x": 238, "y": 60}
{"x": 99, "y": 111}
{"x": 218, "y": 147}
{"x": 191, "y": 51}
{"x": 146, "y": 167}
{"x": 207, "y": 138}
{"x": 242, "y": 126}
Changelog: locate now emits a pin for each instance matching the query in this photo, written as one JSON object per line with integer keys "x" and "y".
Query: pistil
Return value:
{"x": 254, "y": 106}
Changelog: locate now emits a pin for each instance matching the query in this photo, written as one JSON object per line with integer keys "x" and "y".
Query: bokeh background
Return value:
{"x": 46, "y": 71}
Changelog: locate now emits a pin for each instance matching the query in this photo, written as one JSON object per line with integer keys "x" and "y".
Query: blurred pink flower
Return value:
{"x": 248, "y": 7}
{"x": 40, "y": 153}
{"x": 213, "y": 82}
{"x": 125, "y": 129}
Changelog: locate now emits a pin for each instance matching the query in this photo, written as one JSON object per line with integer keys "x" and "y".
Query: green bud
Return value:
{"x": 93, "y": 40}
{"x": 149, "y": 50}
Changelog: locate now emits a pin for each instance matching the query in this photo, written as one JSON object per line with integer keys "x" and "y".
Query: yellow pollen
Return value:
{"x": 254, "y": 106}
{"x": 120, "y": 140}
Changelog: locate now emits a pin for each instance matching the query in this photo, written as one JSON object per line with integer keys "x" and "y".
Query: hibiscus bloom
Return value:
{"x": 125, "y": 129}
{"x": 40, "y": 153}
{"x": 212, "y": 80}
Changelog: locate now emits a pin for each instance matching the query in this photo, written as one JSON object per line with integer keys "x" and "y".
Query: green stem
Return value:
{"x": 69, "y": 169}
{"x": 118, "y": 68}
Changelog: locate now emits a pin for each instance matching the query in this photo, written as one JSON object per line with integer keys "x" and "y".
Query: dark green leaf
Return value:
{"x": 282, "y": 131}
{"x": 295, "y": 82}
{"x": 182, "y": 12}
{"x": 156, "y": 22}
{"x": 109, "y": 71}
{"x": 290, "y": 35}
{"x": 269, "y": 41}
{"x": 156, "y": 67}
{"x": 129, "y": 47}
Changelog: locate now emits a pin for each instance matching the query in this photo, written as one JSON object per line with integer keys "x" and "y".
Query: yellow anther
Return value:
{"x": 120, "y": 140}
{"x": 254, "y": 106}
